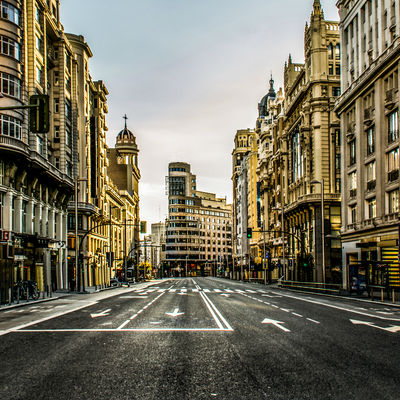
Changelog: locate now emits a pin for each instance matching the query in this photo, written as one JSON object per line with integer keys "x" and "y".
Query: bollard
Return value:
{"x": 393, "y": 295}
{"x": 18, "y": 295}
{"x": 382, "y": 295}
{"x": 9, "y": 296}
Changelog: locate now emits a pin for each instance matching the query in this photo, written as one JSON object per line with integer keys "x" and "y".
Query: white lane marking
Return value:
{"x": 195, "y": 290}
{"x": 203, "y": 296}
{"x": 175, "y": 313}
{"x": 217, "y": 290}
{"x": 59, "y": 314}
{"x": 229, "y": 290}
{"x": 218, "y": 313}
{"x": 206, "y": 290}
{"x": 261, "y": 291}
{"x": 313, "y": 320}
{"x": 133, "y": 297}
{"x": 184, "y": 290}
{"x": 297, "y": 315}
{"x": 341, "y": 308}
{"x": 250, "y": 291}
{"x": 273, "y": 305}
{"x": 239, "y": 290}
{"x": 285, "y": 309}
{"x": 275, "y": 323}
{"x": 161, "y": 290}
{"x": 101, "y": 313}
{"x": 392, "y": 329}
{"x": 125, "y": 323}
{"x": 172, "y": 290}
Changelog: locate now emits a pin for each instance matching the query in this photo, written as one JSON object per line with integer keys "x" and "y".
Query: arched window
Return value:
{"x": 337, "y": 52}
{"x": 330, "y": 51}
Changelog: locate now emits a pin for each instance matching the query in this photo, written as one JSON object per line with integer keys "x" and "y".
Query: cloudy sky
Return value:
{"x": 188, "y": 74}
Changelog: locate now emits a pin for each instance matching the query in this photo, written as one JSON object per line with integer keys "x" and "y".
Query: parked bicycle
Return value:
{"x": 23, "y": 290}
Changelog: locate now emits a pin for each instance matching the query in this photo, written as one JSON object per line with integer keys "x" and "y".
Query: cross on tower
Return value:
{"x": 125, "y": 118}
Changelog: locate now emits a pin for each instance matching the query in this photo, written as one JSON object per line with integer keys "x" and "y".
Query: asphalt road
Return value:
{"x": 200, "y": 338}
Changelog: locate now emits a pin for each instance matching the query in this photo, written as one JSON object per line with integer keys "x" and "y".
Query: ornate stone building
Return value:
{"x": 299, "y": 166}
{"x": 36, "y": 170}
{"x": 369, "y": 114}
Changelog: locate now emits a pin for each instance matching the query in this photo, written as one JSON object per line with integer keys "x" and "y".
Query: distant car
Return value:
{"x": 115, "y": 282}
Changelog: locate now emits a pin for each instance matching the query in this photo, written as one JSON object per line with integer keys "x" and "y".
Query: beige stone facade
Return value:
{"x": 300, "y": 154}
{"x": 369, "y": 113}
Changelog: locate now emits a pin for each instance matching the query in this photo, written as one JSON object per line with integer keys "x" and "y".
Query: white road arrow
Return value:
{"x": 175, "y": 313}
{"x": 101, "y": 314}
{"x": 392, "y": 329}
{"x": 276, "y": 323}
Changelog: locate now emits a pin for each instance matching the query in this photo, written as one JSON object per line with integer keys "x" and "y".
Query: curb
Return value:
{"x": 27, "y": 303}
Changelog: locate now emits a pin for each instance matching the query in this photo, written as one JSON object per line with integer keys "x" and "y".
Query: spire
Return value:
{"x": 271, "y": 87}
{"x": 125, "y": 118}
{"x": 317, "y": 8}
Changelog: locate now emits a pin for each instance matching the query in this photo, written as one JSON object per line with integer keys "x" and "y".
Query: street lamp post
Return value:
{"x": 77, "y": 269}
{"x": 321, "y": 182}
{"x": 186, "y": 265}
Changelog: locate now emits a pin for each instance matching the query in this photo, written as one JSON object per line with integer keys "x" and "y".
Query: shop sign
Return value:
{"x": 19, "y": 257}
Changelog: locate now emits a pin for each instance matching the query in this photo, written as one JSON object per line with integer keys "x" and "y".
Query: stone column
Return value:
{"x": 51, "y": 223}
{"x": 29, "y": 217}
{"x": 17, "y": 213}
{"x": 7, "y": 215}
{"x": 38, "y": 218}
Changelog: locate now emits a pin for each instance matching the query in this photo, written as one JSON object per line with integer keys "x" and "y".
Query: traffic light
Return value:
{"x": 39, "y": 116}
{"x": 249, "y": 233}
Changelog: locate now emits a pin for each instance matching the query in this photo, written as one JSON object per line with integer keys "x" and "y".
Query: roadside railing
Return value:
{"x": 311, "y": 286}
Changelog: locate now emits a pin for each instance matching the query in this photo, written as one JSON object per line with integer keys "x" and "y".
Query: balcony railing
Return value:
{"x": 13, "y": 144}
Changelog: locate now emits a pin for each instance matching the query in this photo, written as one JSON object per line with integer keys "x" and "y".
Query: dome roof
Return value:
{"x": 263, "y": 105}
{"x": 126, "y": 136}
{"x": 126, "y": 140}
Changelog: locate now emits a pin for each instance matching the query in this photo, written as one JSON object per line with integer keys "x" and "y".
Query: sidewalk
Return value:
{"x": 91, "y": 290}
{"x": 54, "y": 296}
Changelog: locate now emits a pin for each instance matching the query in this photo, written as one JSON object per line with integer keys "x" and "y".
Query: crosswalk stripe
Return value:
{"x": 229, "y": 290}
{"x": 206, "y": 290}
{"x": 217, "y": 290}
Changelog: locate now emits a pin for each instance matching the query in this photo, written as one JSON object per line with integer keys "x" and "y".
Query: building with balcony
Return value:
{"x": 198, "y": 228}
{"x": 36, "y": 169}
{"x": 246, "y": 203}
{"x": 369, "y": 116}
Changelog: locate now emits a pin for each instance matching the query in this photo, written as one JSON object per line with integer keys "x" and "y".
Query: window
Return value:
{"x": 337, "y": 137}
{"x": 38, "y": 75}
{"x": 336, "y": 91}
{"x": 68, "y": 168}
{"x": 56, "y": 131}
{"x": 57, "y": 162}
{"x": 337, "y": 52}
{"x": 393, "y": 201}
{"x": 371, "y": 208}
{"x": 39, "y": 144}
{"x": 353, "y": 183}
{"x": 68, "y": 110}
{"x": 337, "y": 69}
{"x": 393, "y": 160}
{"x": 297, "y": 156}
{"x": 371, "y": 171}
{"x": 1, "y": 172}
{"x": 337, "y": 161}
{"x": 10, "y": 85}
{"x": 9, "y": 12}
{"x": 330, "y": 51}
{"x": 10, "y": 47}
{"x": 353, "y": 214}
{"x": 56, "y": 105}
{"x": 68, "y": 137}
{"x": 393, "y": 126}
{"x": 10, "y": 126}
{"x": 38, "y": 43}
{"x": 37, "y": 14}
{"x": 371, "y": 140}
{"x": 352, "y": 146}
{"x": 330, "y": 71}
{"x": 23, "y": 222}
